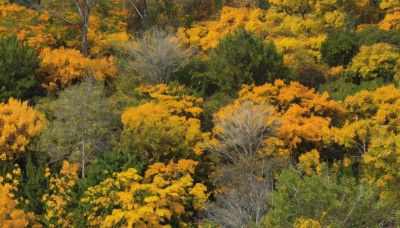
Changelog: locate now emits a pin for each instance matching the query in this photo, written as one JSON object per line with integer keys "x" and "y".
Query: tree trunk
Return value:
{"x": 84, "y": 10}
{"x": 85, "y": 45}
{"x": 83, "y": 159}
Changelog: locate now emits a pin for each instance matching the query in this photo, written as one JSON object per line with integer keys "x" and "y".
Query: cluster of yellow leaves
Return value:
{"x": 56, "y": 210}
{"x": 166, "y": 125}
{"x": 372, "y": 114}
{"x": 307, "y": 223}
{"x": 388, "y": 4}
{"x": 63, "y": 66}
{"x": 289, "y": 32}
{"x": 375, "y": 60}
{"x": 10, "y": 214}
{"x": 19, "y": 124}
{"x": 107, "y": 27}
{"x": 304, "y": 114}
{"x": 173, "y": 98}
{"x": 382, "y": 164}
{"x": 310, "y": 162}
{"x": 165, "y": 193}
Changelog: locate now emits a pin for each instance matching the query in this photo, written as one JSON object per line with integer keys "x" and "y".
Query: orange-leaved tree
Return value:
{"x": 20, "y": 124}
{"x": 11, "y": 214}
{"x": 63, "y": 66}
{"x": 304, "y": 114}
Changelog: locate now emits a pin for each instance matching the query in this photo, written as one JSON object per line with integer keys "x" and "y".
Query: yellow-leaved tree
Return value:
{"x": 57, "y": 203}
{"x": 20, "y": 124}
{"x": 164, "y": 127}
{"x": 372, "y": 133}
{"x": 379, "y": 60}
{"x": 166, "y": 196}
{"x": 289, "y": 31}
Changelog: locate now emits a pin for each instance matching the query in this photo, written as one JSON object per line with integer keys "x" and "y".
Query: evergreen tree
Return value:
{"x": 18, "y": 66}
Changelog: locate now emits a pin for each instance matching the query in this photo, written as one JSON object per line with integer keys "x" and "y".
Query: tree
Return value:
{"x": 293, "y": 7}
{"x": 387, "y": 4}
{"x": 83, "y": 8}
{"x": 243, "y": 130}
{"x": 20, "y": 125}
{"x": 377, "y": 61}
{"x": 344, "y": 87}
{"x": 306, "y": 69}
{"x": 82, "y": 125}
{"x": 241, "y": 58}
{"x": 164, "y": 127}
{"x": 158, "y": 55}
{"x": 58, "y": 202}
{"x": 242, "y": 136}
{"x": 339, "y": 48}
{"x": 62, "y": 67}
{"x": 18, "y": 67}
{"x": 304, "y": 114}
{"x": 10, "y": 213}
{"x": 371, "y": 133}
{"x": 167, "y": 194}
{"x": 326, "y": 198}
{"x": 371, "y": 36}
{"x": 372, "y": 114}
{"x": 242, "y": 192}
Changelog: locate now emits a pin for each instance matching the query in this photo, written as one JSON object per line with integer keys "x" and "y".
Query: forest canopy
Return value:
{"x": 222, "y": 113}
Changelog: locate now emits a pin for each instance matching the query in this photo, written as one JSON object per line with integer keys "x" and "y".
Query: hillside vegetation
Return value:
{"x": 218, "y": 113}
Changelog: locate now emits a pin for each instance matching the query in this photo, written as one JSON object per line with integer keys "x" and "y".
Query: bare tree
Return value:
{"x": 245, "y": 177}
{"x": 158, "y": 55}
{"x": 81, "y": 127}
{"x": 246, "y": 188}
{"x": 242, "y": 132}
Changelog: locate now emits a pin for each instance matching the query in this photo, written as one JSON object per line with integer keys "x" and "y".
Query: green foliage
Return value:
{"x": 194, "y": 76}
{"x": 242, "y": 58}
{"x": 372, "y": 36}
{"x": 35, "y": 184}
{"x": 18, "y": 66}
{"x": 111, "y": 162}
{"x": 339, "y": 48}
{"x": 307, "y": 70}
{"x": 330, "y": 200}
{"x": 343, "y": 87}
{"x": 82, "y": 127}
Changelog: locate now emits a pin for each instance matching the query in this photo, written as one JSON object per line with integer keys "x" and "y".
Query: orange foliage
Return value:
{"x": 391, "y": 20}
{"x": 305, "y": 115}
{"x": 10, "y": 214}
{"x": 63, "y": 66}
{"x": 20, "y": 124}
{"x": 27, "y": 24}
